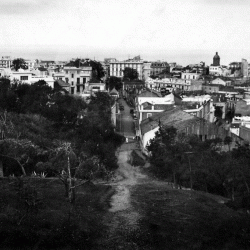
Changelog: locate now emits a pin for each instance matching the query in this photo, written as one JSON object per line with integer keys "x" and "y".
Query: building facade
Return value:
{"x": 5, "y": 62}
{"x": 159, "y": 67}
{"x": 116, "y": 67}
{"x": 244, "y": 68}
{"x": 77, "y": 77}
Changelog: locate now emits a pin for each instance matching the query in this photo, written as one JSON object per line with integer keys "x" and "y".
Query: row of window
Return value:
{"x": 78, "y": 72}
{"x": 77, "y": 81}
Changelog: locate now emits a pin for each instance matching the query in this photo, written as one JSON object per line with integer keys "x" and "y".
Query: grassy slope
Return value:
{"x": 180, "y": 219}
{"x": 53, "y": 223}
{"x": 170, "y": 219}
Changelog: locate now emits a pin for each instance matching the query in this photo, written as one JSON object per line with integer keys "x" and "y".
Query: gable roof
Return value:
{"x": 174, "y": 117}
{"x": 114, "y": 91}
{"x": 62, "y": 83}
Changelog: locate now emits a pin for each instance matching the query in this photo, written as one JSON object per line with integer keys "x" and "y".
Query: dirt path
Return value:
{"x": 122, "y": 216}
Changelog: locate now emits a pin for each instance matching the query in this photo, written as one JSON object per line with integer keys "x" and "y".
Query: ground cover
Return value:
{"x": 35, "y": 214}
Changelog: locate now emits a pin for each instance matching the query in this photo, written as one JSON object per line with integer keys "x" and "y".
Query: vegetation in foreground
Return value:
{"x": 35, "y": 214}
{"x": 189, "y": 162}
{"x": 181, "y": 219}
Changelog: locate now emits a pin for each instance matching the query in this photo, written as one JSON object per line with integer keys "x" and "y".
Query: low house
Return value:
{"x": 183, "y": 122}
{"x": 148, "y": 106}
{"x": 114, "y": 93}
{"x": 211, "y": 88}
{"x": 242, "y": 108}
{"x": 60, "y": 84}
{"x": 219, "y": 81}
{"x": 21, "y": 76}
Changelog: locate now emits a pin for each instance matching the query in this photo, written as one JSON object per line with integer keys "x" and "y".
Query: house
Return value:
{"x": 114, "y": 93}
{"x": 77, "y": 77}
{"x": 25, "y": 76}
{"x": 21, "y": 75}
{"x": 211, "y": 88}
{"x": 242, "y": 108}
{"x": 220, "y": 81}
{"x": 148, "y": 106}
{"x": 91, "y": 88}
{"x": 190, "y": 75}
{"x": 244, "y": 133}
{"x": 40, "y": 71}
{"x": 158, "y": 67}
{"x": 5, "y": 62}
{"x": 235, "y": 128}
{"x": 31, "y": 64}
{"x": 60, "y": 84}
{"x": 199, "y": 106}
{"x": 183, "y": 122}
{"x": 5, "y": 72}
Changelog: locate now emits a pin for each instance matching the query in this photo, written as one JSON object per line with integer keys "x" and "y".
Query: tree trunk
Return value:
{"x": 70, "y": 181}
{"x": 174, "y": 175}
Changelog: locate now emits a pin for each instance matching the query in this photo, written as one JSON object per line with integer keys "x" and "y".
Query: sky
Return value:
{"x": 182, "y": 31}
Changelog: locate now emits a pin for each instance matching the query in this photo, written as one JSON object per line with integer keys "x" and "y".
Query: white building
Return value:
{"x": 190, "y": 75}
{"x": 77, "y": 77}
{"x": 219, "y": 71}
{"x": 25, "y": 76}
{"x": 117, "y": 67}
{"x": 5, "y": 62}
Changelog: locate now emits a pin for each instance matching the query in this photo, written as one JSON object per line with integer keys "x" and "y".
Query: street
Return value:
{"x": 125, "y": 121}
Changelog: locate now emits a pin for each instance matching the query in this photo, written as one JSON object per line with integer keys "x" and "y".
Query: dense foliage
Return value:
{"x": 130, "y": 74}
{"x": 19, "y": 63}
{"x": 114, "y": 82}
{"x": 201, "y": 165}
{"x": 37, "y": 122}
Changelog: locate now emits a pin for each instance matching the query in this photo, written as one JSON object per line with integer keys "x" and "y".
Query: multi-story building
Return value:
{"x": 117, "y": 67}
{"x": 146, "y": 70}
{"x": 159, "y": 67}
{"x": 190, "y": 75}
{"x": 5, "y": 62}
{"x": 244, "y": 68}
{"x": 31, "y": 64}
{"x": 77, "y": 77}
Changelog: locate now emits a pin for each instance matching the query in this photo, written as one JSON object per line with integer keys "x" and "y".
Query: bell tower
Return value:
{"x": 216, "y": 60}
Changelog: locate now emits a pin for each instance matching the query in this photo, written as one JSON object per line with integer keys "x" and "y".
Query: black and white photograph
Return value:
{"x": 124, "y": 124}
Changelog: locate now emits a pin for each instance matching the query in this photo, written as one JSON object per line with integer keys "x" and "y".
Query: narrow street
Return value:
{"x": 125, "y": 123}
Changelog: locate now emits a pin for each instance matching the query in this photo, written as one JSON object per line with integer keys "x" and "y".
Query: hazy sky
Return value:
{"x": 183, "y": 31}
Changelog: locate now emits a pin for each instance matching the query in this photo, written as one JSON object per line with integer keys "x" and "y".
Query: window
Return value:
{"x": 72, "y": 83}
{"x": 149, "y": 114}
{"x": 83, "y": 80}
{"x": 67, "y": 80}
{"x": 78, "y": 80}
{"x": 77, "y": 88}
{"x": 23, "y": 78}
{"x": 72, "y": 90}
{"x": 72, "y": 75}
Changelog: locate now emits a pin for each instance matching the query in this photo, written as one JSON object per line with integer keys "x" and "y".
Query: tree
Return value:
{"x": 228, "y": 141}
{"x": 167, "y": 150}
{"x": 130, "y": 74}
{"x": 114, "y": 82}
{"x": 97, "y": 71}
{"x": 19, "y": 63}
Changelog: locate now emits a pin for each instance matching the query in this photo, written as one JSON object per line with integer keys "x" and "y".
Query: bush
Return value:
{"x": 136, "y": 160}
